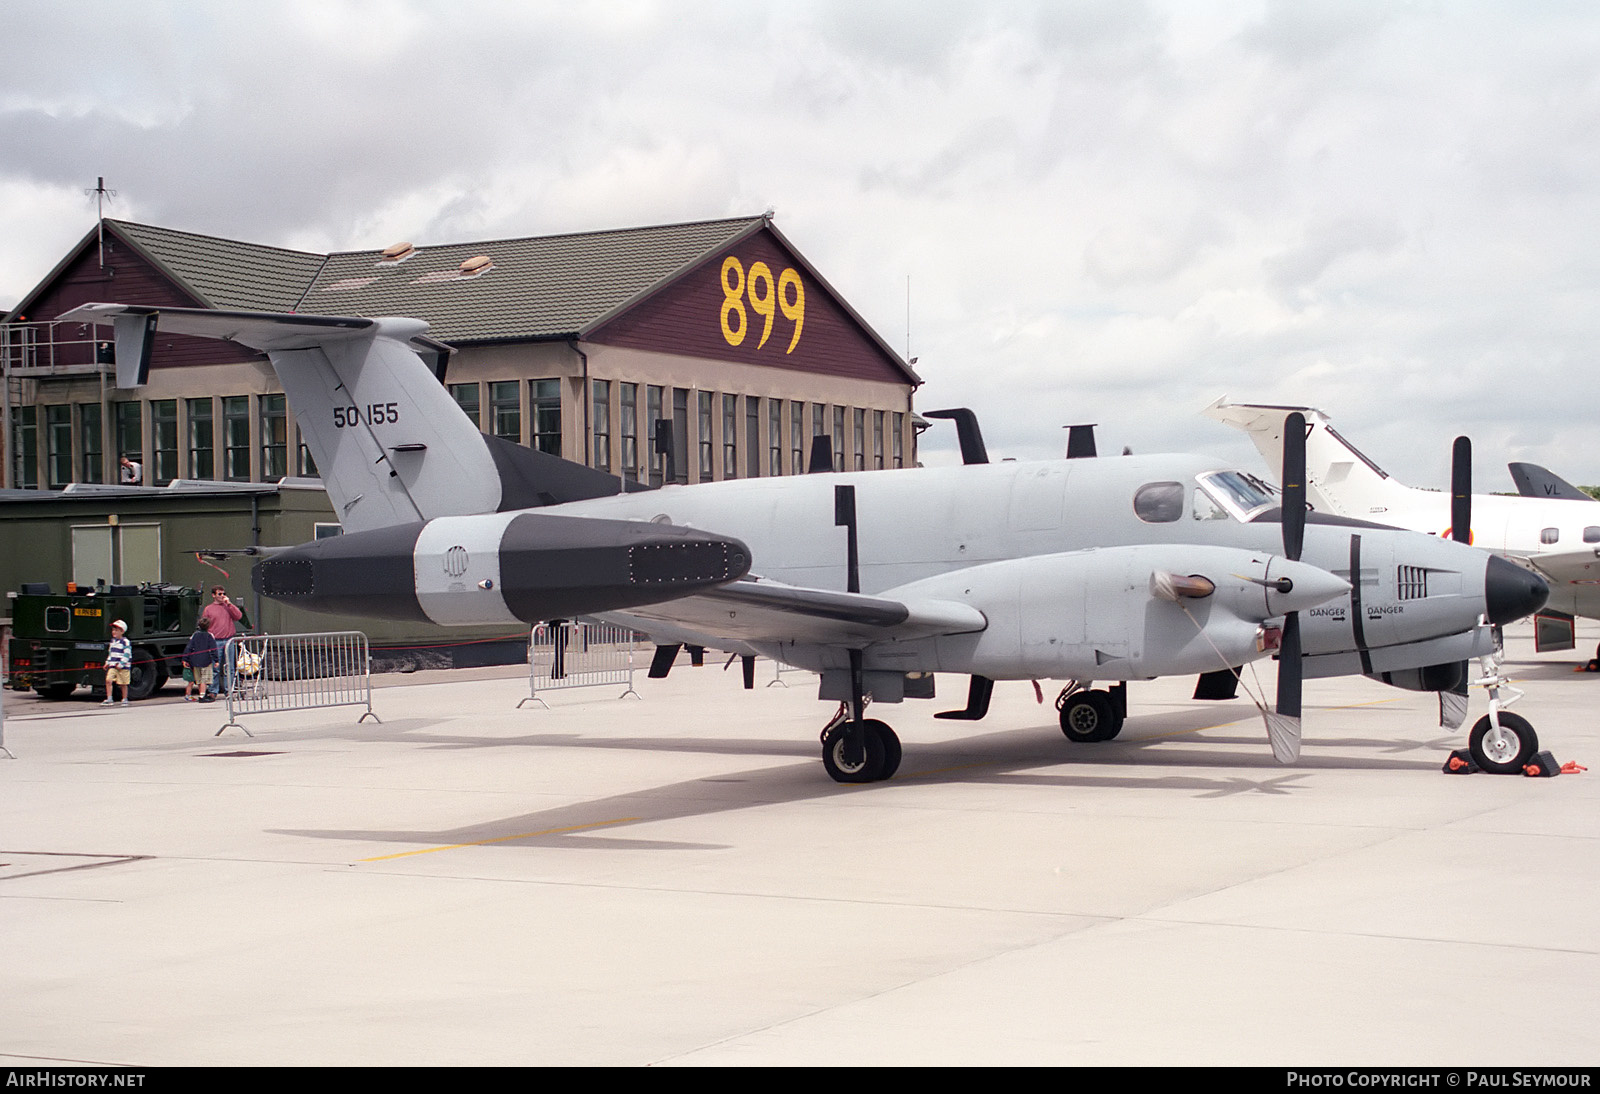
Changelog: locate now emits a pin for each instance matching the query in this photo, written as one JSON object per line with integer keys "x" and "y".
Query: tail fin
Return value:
{"x": 1534, "y": 481}
{"x": 1339, "y": 478}
{"x": 391, "y": 444}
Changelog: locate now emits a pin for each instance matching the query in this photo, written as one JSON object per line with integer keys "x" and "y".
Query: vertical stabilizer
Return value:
{"x": 1339, "y": 478}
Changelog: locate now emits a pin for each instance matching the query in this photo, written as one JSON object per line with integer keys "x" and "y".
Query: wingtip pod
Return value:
{"x": 501, "y": 568}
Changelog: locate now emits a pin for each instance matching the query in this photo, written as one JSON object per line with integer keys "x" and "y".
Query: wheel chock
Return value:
{"x": 1542, "y": 766}
{"x": 1460, "y": 763}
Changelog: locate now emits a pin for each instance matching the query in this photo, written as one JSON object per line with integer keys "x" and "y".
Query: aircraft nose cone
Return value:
{"x": 1510, "y": 592}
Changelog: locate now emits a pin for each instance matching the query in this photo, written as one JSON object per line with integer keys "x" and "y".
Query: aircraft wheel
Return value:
{"x": 891, "y": 747}
{"x": 880, "y": 754}
{"x": 1507, "y": 752}
{"x": 55, "y": 691}
{"x": 1088, "y": 716}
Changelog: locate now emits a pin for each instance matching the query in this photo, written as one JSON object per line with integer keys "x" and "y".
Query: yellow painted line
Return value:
{"x": 500, "y": 839}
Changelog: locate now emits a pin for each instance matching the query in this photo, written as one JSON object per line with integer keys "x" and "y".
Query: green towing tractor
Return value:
{"x": 59, "y": 640}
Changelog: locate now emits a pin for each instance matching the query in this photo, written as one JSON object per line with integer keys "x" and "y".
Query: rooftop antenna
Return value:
{"x": 100, "y": 195}
{"x": 908, "y": 317}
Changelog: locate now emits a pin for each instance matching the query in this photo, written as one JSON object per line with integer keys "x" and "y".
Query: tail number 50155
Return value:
{"x": 372, "y": 414}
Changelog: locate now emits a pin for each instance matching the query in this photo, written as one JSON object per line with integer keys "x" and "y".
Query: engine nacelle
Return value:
{"x": 1445, "y": 677}
{"x": 1112, "y": 613}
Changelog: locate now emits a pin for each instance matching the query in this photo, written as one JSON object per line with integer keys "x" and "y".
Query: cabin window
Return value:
{"x": 1159, "y": 502}
{"x": 1550, "y": 535}
{"x": 1591, "y": 534}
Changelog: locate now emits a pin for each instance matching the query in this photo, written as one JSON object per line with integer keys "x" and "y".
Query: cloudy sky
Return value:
{"x": 1105, "y": 211}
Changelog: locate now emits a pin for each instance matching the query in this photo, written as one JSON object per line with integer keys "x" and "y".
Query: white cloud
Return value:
{"x": 1109, "y": 211}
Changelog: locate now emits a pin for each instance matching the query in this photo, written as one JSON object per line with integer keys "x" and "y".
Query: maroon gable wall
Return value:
{"x": 690, "y": 315}
{"x": 128, "y": 279}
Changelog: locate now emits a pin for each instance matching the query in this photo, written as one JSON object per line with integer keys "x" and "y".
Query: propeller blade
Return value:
{"x": 1294, "y": 485}
{"x": 1283, "y": 725}
{"x": 1461, "y": 490}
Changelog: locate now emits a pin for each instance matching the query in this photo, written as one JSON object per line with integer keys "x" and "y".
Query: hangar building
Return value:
{"x": 574, "y": 344}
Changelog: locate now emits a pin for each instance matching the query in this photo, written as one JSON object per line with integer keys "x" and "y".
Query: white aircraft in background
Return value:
{"x": 1551, "y": 528}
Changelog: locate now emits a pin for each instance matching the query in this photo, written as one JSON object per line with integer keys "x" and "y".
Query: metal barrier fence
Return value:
{"x": 264, "y": 673}
{"x": 578, "y": 654}
{"x": 780, "y": 670}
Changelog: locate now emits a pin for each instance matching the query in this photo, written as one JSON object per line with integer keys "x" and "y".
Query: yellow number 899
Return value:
{"x": 789, "y": 298}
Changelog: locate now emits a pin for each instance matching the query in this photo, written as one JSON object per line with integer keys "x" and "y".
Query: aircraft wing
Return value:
{"x": 766, "y": 612}
{"x": 1566, "y": 567}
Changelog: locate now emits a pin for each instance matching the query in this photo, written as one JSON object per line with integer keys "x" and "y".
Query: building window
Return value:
{"x": 860, "y": 437}
{"x": 707, "y": 403}
{"x": 236, "y": 438}
{"x": 730, "y": 436}
{"x": 602, "y": 425}
{"x": 774, "y": 436}
{"x": 819, "y": 428}
{"x": 797, "y": 437}
{"x": 628, "y": 429}
{"x": 652, "y": 412}
{"x": 306, "y": 463}
{"x": 838, "y": 438}
{"x": 91, "y": 446}
{"x": 546, "y": 409}
{"x": 468, "y": 399}
{"x": 130, "y": 434}
{"x": 897, "y": 440}
{"x": 877, "y": 440}
{"x": 505, "y": 407}
{"x": 680, "y": 434}
{"x": 274, "y": 438}
{"x": 58, "y": 445}
{"x": 25, "y": 449}
{"x": 164, "y": 440}
{"x": 752, "y": 436}
{"x": 202, "y": 440}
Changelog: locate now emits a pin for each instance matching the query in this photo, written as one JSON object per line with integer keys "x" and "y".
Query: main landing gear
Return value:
{"x": 873, "y": 756}
{"x": 1091, "y": 715}
{"x": 856, "y": 749}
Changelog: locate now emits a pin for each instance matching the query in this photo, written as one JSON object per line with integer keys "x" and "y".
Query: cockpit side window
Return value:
{"x": 1159, "y": 502}
{"x": 1206, "y": 509}
{"x": 1243, "y": 495}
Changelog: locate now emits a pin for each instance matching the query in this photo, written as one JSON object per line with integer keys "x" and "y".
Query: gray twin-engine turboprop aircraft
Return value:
{"x": 1080, "y": 570}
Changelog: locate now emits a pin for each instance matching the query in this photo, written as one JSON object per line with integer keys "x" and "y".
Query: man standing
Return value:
{"x": 221, "y": 615}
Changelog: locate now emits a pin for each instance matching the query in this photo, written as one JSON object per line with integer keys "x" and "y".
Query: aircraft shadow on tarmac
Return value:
{"x": 1028, "y": 756}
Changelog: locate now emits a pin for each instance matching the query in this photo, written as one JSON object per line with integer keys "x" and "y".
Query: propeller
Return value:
{"x": 1453, "y": 702}
{"x": 1283, "y": 724}
{"x": 1461, "y": 490}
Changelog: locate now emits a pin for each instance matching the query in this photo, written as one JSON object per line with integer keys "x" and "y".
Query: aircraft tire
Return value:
{"x": 1505, "y": 756}
{"x": 891, "y": 747}
{"x": 874, "y": 763}
{"x": 1088, "y": 716}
